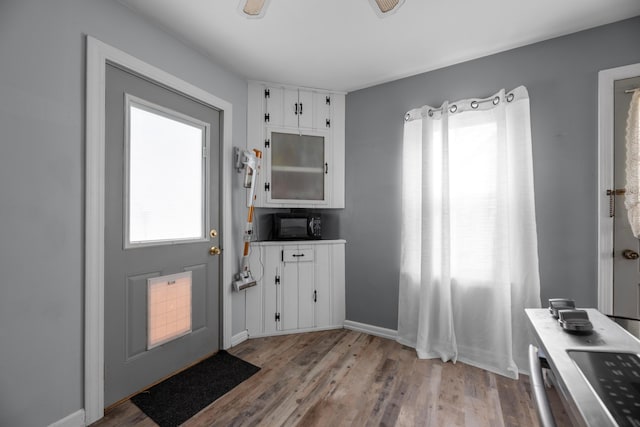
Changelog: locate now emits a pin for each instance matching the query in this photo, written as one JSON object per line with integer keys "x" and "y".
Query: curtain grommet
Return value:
{"x": 496, "y": 100}
{"x": 474, "y": 104}
{"x": 510, "y": 97}
{"x": 430, "y": 113}
{"x": 407, "y": 117}
{"x": 453, "y": 108}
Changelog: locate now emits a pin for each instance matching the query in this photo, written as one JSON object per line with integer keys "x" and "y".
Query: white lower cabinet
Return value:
{"x": 300, "y": 287}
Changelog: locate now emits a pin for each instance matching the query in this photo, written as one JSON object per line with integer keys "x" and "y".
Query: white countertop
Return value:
{"x": 607, "y": 336}
{"x": 297, "y": 242}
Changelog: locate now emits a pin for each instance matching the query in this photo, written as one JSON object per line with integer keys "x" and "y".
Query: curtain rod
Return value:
{"x": 474, "y": 104}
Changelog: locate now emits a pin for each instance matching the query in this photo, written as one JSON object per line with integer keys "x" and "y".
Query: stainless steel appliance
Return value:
{"x": 597, "y": 374}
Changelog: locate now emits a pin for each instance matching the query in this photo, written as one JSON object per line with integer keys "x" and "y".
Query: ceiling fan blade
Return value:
{"x": 257, "y": 8}
{"x": 253, "y": 8}
{"x": 385, "y": 7}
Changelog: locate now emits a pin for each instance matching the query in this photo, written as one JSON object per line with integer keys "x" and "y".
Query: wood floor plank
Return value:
{"x": 450, "y": 399}
{"x": 476, "y": 397}
{"x": 274, "y": 385}
{"x": 351, "y": 392}
{"x": 314, "y": 384}
{"x": 415, "y": 407}
{"x": 347, "y": 378}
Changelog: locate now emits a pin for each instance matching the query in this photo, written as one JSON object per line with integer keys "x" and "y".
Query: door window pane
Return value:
{"x": 166, "y": 176}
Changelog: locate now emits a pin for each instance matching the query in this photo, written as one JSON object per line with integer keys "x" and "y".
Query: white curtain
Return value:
{"x": 632, "y": 194}
{"x": 469, "y": 262}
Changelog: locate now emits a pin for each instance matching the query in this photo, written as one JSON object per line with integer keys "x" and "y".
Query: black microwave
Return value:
{"x": 296, "y": 226}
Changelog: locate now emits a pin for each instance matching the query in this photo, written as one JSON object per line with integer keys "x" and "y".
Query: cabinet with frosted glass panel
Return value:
{"x": 301, "y": 134}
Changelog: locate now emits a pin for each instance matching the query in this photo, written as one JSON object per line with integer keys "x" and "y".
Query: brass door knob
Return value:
{"x": 213, "y": 232}
{"x": 214, "y": 250}
{"x": 629, "y": 254}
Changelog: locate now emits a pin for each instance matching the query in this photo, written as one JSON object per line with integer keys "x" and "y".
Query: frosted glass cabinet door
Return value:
{"x": 298, "y": 166}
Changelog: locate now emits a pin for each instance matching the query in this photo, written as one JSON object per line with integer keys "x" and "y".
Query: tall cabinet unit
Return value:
{"x": 301, "y": 134}
{"x": 300, "y": 288}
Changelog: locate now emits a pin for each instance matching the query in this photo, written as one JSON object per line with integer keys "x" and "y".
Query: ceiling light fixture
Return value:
{"x": 257, "y": 8}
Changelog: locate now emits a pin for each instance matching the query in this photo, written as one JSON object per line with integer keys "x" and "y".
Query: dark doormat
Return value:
{"x": 176, "y": 399}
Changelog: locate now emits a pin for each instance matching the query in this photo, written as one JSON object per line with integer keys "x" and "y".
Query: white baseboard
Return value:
{"x": 296, "y": 331}
{"x": 239, "y": 337}
{"x": 72, "y": 420}
{"x": 371, "y": 330}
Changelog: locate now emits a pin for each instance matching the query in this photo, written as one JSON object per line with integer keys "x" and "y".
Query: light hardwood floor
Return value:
{"x": 345, "y": 378}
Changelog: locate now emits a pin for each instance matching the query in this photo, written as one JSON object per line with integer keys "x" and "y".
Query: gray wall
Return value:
{"x": 42, "y": 63}
{"x": 42, "y": 175}
{"x": 562, "y": 78}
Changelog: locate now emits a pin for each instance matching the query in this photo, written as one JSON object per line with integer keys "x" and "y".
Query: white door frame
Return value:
{"x": 98, "y": 55}
{"x": 606, "y": 80}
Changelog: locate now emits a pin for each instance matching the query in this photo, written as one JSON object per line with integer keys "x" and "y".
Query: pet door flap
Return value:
{"x": 169, "y": 308}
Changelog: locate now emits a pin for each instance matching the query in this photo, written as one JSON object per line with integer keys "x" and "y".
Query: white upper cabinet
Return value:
{"x": 297, "y": 108}
{"x": 301, "y": 134}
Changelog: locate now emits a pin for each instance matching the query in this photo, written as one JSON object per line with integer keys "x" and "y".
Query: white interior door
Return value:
{"x": 161, "y": 295}
{"x": 626, "y": 261}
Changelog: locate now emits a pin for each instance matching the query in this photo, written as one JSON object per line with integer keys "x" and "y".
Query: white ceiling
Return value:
{"x": 343, "y": 45}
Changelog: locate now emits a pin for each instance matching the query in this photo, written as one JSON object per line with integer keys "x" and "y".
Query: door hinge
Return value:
{"x": 277, "y": 280}
{"x": 205, "y": 152}
{"x": 328, "y": 123}
{"x": 266, "y": 117}
{"x": 326, "y": 168}
{"x": 328, "y": 100}
{"x": 612, "y": 196}
{"x": 267, "y": 93}
{"x": 267, "y": 143}
{"x": 315, "y": 296}
{"x": 277, "y": 317}
{"x": 267, "y": 186}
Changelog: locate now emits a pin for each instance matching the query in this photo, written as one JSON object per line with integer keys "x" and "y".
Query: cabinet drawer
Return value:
{"x": 297, "y": 255}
